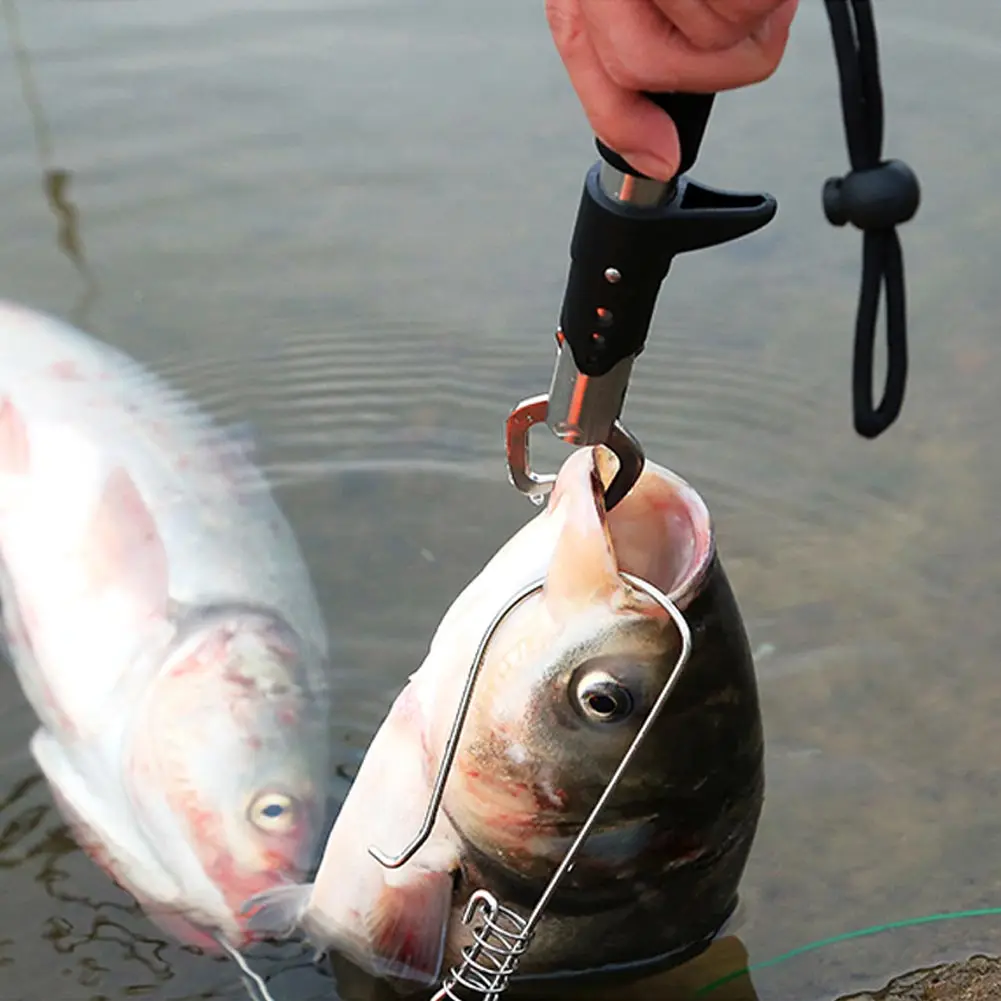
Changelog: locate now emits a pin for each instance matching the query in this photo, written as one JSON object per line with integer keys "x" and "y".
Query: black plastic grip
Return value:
{"x": 690, "y": 114}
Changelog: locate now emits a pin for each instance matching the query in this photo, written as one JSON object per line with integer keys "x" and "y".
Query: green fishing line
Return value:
{"x": 846, "y": 937}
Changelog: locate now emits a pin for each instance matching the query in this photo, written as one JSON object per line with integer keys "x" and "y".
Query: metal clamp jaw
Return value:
{"x": 629, "y": 229}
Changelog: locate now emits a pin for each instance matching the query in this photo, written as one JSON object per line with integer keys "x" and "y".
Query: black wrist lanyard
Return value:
{"x": 876, "y": 196}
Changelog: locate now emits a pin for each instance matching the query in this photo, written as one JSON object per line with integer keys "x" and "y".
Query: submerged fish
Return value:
{"x": 164, "y": 628}
{"x": 566, "y": 682}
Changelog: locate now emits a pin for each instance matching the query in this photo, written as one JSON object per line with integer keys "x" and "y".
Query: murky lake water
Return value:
{"x": 348, "y": 223}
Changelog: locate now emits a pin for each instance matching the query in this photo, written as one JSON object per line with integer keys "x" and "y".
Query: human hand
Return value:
{"x": 614, "y": 50}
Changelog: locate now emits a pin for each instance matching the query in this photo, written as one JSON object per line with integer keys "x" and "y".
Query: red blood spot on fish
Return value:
{"x": 208, "y": 654}
{"x": 507, "y": 803}
{"x": 550, "y": 798}
{"x": 237, "y": 678}
{"x": 67, "y": 371}
{"x": 14, "y": 450}
{"x": 275, "y": 860}
{"x": 409, "y": 949}
{"x": 188, "y": 666}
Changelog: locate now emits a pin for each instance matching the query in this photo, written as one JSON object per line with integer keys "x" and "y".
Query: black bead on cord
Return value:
{"x": 875, "y": 196}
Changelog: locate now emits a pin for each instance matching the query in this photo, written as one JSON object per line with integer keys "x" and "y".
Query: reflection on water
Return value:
{"x": 347, "y": 222}
{"x": 55, "y": 180}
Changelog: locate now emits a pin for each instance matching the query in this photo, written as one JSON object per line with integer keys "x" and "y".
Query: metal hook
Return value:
{"x": 631, "y": 458}
{"x": 534, "y": 410}
{"x": 488, "y": 965}
{"x": 452, "y": 745}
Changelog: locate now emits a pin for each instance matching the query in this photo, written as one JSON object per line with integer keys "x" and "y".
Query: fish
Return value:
{"x": 163, "y": 626}
{"x": 566, "y": 680}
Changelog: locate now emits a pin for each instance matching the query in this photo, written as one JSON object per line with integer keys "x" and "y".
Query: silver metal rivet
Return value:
{"x": 612, "y": 275}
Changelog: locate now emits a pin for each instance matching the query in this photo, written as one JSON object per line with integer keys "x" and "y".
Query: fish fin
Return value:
{"x": 95, "y": 819}
{"x": 123, "y": 549}
{"x": 407, "y": 927}
{"x": 278, "y": 912}
{"x": 584, "y": 568}
{"x": 14, "y": 448}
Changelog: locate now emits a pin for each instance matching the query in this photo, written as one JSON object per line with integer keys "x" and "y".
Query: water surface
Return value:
{"x": 347, "y": 222}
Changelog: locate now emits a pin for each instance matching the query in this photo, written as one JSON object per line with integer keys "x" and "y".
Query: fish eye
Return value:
{"x": 272, "y": 812}
{"x": 601, "y": 698}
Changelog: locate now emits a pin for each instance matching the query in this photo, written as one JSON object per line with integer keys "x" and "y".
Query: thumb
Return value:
{"x": 627, "y": 122}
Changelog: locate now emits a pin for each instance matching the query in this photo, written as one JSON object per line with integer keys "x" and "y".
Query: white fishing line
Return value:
{"x": 254, "y": 982}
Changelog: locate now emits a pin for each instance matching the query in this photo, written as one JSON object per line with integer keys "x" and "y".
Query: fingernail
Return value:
{"x": 650, "y": 164}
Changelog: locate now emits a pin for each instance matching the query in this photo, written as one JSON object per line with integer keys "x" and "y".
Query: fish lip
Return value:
{"x": 689, "y": 588}
{"x": 699, "y": 568}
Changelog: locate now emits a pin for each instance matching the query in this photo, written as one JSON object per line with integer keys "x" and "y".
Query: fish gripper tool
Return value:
{"x": 629, "y": 229}
{"x": 500, "y": 935}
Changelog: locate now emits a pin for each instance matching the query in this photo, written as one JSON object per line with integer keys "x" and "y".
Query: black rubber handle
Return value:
{"x": 690, "y": 114}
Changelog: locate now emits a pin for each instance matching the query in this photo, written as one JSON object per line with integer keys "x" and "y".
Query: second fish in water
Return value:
{"x": 163, "y": 626}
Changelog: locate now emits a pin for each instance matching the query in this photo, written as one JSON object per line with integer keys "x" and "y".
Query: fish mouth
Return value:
{"x": 222, "y": 925}
{"x": 662, "y": 532}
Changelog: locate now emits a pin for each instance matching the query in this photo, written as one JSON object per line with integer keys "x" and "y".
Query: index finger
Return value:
{"x": 619, "y": 116}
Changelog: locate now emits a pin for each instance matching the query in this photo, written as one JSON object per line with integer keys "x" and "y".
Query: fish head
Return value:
{"x": 572, "y": 673}
{"x": 227, "y": 770}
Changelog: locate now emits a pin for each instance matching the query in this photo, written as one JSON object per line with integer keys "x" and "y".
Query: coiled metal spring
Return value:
{"x": 500, "y": 937}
